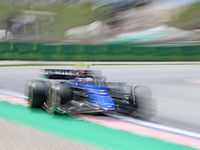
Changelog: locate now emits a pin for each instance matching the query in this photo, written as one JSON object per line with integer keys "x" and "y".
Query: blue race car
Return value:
{"x": 86, "y": 91}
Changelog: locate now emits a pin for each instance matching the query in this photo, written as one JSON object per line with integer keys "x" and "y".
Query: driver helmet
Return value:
{"x": 87, "y": 80}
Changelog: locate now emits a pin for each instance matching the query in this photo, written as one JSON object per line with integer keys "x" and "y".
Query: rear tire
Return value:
{"x": 36, "y": 93}
{"x": 144, "y": 104}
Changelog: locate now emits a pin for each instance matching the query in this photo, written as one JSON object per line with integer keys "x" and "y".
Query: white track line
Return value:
{"x": 157, "y": 126}
{"x": 12, "y": 93}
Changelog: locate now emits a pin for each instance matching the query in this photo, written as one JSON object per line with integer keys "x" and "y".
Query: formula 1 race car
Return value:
{"x": 86, "y": 91}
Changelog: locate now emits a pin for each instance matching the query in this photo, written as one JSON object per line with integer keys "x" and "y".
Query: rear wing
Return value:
{"x": 66, "y": 74}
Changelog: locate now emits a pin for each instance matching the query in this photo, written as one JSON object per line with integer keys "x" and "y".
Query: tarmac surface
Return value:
{"x": 175, "y": 86}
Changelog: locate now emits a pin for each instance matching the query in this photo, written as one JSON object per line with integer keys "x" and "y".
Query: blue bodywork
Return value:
{"x": 98, "y": 95}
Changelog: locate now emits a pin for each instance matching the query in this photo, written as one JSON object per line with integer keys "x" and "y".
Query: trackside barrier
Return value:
{"x": 62, "y": 52}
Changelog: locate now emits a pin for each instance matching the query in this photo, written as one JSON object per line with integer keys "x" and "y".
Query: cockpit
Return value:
{"x": 84, "y": 80}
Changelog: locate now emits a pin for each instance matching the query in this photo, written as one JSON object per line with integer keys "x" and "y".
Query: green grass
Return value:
{"x": 189, "y": 17}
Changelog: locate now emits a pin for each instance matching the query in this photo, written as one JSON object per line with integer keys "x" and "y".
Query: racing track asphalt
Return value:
{"x": 178, "y": 100}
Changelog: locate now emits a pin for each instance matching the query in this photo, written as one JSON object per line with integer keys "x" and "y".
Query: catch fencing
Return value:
{"x": 64, "y": 52}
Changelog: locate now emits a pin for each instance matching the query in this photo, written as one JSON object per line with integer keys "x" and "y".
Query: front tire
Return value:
{"x": 60, "y": 94}
{"x": 36, "y": 93}
{"x": 63, "y": 94}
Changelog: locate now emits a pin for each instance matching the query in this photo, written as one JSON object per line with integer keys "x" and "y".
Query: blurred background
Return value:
{"x": 103, "y": 21}
{"x": 111, "y": 30}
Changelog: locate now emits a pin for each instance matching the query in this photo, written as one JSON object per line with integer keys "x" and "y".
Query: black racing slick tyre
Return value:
{"x": 36, "y": 93}
{"x": 144, "y": 103}
{"x": 58, "y": 95}
{"x": 63, "y": 94}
